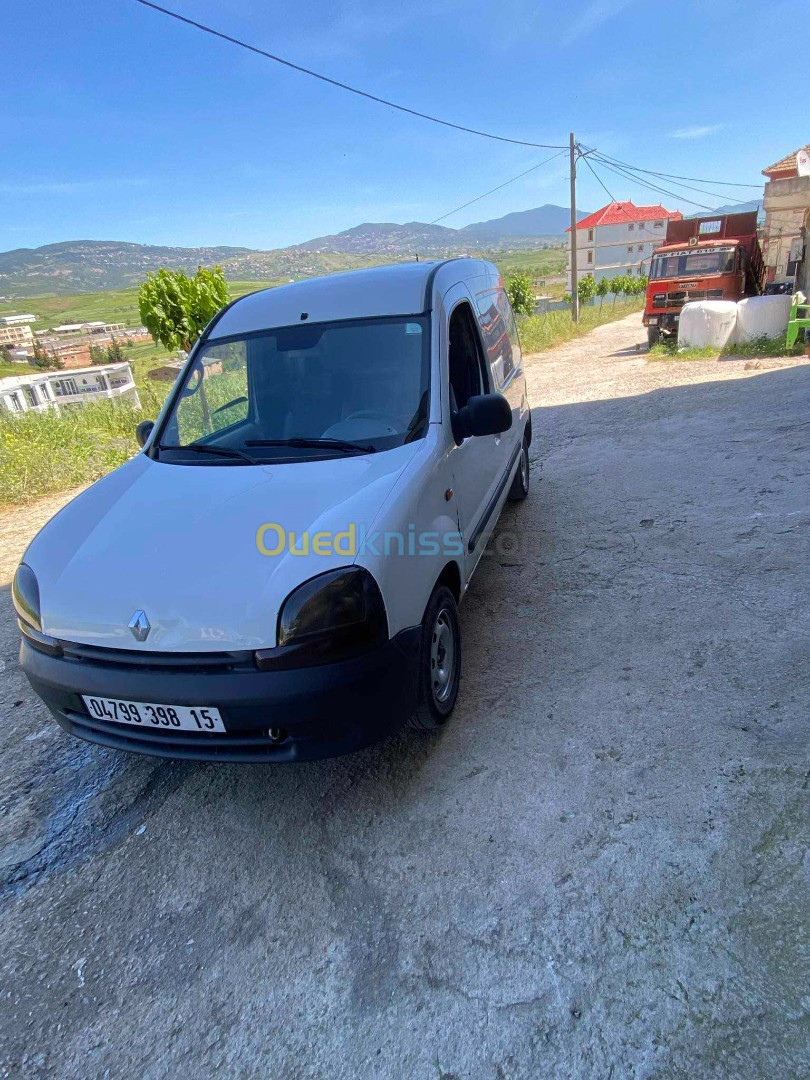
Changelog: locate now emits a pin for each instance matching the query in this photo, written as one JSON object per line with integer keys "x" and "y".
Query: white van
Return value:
{"x": 276, "y": 575}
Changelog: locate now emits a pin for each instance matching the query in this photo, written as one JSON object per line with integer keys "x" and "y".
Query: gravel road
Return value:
{"x": 597, "y": 870}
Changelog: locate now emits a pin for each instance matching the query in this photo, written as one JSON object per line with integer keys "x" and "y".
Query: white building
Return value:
{"x": 96, "y": 327}
{"x": 17, "y": 320}
{"x": 16, "y": 335}
{"x": 57, "y": 389}
{"x": 619, "y": 239}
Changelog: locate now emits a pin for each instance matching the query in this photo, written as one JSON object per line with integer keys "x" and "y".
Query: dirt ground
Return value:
{"x": 599, "y": 869}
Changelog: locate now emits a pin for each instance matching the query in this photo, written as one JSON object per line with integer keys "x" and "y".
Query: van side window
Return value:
{"x": 465, "y": 359}
{"x": 512, "y": 355}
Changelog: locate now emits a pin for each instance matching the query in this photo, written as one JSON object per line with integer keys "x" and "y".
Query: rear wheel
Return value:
{"x": 653, "y": 335}
{"x": 439, "y": 662}
{"x": 520, "y": 485}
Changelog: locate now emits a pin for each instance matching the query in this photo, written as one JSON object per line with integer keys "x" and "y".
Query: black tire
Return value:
{"x": 653, "y": 335}
{"x": 441, "y": 642}
{"x": 520, "y": 485}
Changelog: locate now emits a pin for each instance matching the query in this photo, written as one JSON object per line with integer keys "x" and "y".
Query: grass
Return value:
{"x": 43, "y": 453}
{"x": 759, "y": 346}
{"x": 539, "y": 332}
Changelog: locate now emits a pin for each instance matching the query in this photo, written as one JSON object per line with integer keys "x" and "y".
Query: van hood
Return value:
{"x": 179, "y": 542}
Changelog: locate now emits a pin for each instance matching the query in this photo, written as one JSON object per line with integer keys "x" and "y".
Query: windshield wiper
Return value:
{"x": 220, "y": 451}
{"x": 316, "y": 444}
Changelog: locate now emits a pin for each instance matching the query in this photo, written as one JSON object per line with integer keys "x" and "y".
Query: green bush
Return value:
{"x": 520, "y": 291}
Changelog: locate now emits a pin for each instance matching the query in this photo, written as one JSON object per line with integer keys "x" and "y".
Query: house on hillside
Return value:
{"x": 787, "y": 217}
{"x": 16, "y": 336}
{"x": 619, "y": 239}
{"x": 56, "y": 389}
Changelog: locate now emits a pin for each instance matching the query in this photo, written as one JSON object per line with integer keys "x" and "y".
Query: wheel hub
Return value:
{"x": 442, "y": 657}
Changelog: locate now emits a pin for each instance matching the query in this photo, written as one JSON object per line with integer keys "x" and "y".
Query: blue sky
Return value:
{"x": 121, "y": 124}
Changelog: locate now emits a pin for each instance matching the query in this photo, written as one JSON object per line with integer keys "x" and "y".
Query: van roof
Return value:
{"x": 400, "y": 289}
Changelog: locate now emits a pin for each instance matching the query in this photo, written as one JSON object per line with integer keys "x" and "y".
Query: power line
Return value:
{"x": 632, "y": 168}
{"x": 337, "y": 83}
{"x": 674, "y": 176}
{"x": 492, "y": 191}
{"x": 653, "y": 187}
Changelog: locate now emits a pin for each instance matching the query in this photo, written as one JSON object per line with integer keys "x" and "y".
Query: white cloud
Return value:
{"x": 698, "y": 131}
{"x": 594, "y": 14}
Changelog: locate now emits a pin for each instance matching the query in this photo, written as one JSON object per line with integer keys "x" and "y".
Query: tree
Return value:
{"x": 175, "y": 308}
{"x": 115, "y": 354}
{"x": 5, "y": 355}
{"x": 586, "y": 288}
{"x": 97, "y": 355}
{"x": 618, "y": 285}
{"x": 520, "y": 291}
{"x": 602, "y": 289}
{"x": 45, "y": 361}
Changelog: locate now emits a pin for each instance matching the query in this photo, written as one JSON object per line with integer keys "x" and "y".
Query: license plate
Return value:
{"x": 146, "y": 714}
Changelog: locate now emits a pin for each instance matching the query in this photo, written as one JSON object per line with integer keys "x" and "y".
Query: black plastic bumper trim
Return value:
{"x": 325, "y": 711}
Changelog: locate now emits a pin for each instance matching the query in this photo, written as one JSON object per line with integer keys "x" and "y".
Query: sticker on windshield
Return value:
{"x": 413, "y": 328}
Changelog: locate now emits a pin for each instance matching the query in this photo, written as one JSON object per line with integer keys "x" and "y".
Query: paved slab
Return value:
{"x": 597, "y": 871}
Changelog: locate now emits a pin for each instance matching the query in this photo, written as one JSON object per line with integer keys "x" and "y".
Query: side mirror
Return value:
{"x": 484, "y": 414}
{"x": 143, "y": 431}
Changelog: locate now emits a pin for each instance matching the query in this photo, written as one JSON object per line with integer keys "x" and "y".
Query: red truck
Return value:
{"x": 705, "y": 258}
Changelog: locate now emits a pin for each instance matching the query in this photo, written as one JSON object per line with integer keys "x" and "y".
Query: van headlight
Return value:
{"x": 25, "y": 596}
{"x": 330, "y": 617}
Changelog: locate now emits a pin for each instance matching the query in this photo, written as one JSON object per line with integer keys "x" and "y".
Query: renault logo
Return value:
{"x": 140, "y": 626}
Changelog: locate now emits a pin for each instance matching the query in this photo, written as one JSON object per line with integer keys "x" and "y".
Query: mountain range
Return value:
{"x": 93, "y": 265}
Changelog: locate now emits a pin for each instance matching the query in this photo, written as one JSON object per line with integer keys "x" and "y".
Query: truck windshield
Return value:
{"x": 693, "y": 263}
{"x": 300, "y": 392}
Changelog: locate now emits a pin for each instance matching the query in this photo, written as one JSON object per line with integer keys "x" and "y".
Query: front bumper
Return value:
{"x": 666, "y": 321}
{"x": 323, "y": 711}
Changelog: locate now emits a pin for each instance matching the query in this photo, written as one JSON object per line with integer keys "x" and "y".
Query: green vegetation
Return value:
{"x": 538, "y": 263}
{"x": 547, "y": 331}
{"x": 759, "y": 346}
{"x": 175, "y": 308}
{"x": 45, "y": 452}
{"x": 586, "y": 288}
{"x": 521, "y": 294}
{"x": 117, "y": 305}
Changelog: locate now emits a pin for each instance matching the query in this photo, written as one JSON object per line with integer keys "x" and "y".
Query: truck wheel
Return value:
{"x": 653, "y": 335}
{"x": 439, "y": 662}
{"x": 520, "y": 485}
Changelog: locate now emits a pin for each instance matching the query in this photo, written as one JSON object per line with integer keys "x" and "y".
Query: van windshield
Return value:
{"x": 294, "y": 393}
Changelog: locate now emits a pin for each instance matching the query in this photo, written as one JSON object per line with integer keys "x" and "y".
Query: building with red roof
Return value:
{"x": 619, "y": 239}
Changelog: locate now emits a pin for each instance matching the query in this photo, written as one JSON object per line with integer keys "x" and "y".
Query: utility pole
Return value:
{"x": 574, "y": 292}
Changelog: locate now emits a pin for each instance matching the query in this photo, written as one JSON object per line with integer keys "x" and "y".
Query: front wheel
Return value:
{"x": 520, "y": 485}
{"x": 439, "y": 662}
{"x": 653, "y": 335}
